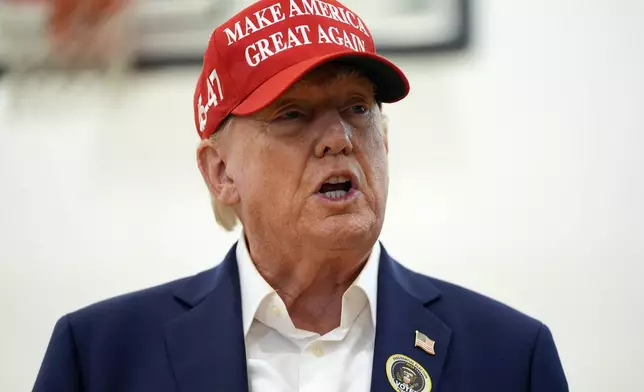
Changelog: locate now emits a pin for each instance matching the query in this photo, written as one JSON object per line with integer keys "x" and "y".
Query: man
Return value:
{"x": 294, "y": 145}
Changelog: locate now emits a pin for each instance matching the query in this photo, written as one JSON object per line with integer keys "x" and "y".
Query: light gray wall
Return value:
{"x": 516, "y": 171}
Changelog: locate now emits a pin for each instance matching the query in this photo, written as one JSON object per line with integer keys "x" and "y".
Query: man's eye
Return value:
{"x": 290, "y": 115}
{"x": 359, "y": 109}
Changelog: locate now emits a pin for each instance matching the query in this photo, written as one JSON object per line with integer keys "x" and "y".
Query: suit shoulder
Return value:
{"x": 149, "y": 303}
{"x": 481, "y": 304}
{"x": 465, "y": 306}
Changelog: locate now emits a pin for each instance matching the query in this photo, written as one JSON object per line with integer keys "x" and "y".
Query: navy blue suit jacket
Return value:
{"x": 186, "y": 336}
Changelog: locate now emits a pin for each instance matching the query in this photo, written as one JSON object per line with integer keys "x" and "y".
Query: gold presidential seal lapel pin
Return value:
{"x": 425, "y": 343}
{"x": 406, "y": 375}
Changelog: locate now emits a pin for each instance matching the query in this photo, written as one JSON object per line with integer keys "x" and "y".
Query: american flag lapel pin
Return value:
{"x": 425, "y": 343}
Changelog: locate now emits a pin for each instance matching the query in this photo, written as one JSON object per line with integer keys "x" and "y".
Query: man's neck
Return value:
{"x": 311, "y": 283}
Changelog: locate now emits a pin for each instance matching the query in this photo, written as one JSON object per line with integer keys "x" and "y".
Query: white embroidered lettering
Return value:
{"x": 304, "y": 31}
{"x": 260, "y": 20}
{"x": 310, "y": 7}
{"x": 265, "y": 48}
{"x": 264, "y": 51}
{"x": 276, "y": 12}
{"x": 340, "y": 37}
{"x": 250, "y": 27}
{"x": 295, "y": 10}
{"x": 252, "y": 60}
{"x": 335, "y": 14}
{"x": 213, "y": 99}
{"x": 278, "y": 44}
{"x": 234, "y": 36}
{"x": 331, "y": 11}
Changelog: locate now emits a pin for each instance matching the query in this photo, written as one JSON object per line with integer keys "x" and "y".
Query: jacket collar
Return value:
{"x": 206, "y": 344}
{"x": 404, "y": 307}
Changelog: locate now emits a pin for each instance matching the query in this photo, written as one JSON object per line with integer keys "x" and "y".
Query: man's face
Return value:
{"x": 314, "y": 163}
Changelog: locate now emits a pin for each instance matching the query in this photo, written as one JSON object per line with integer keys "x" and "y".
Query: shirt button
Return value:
{"x": 317, "y": 350}
{"x": 276, "y": 311}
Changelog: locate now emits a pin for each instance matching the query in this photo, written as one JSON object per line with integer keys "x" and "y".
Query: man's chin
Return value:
{"x": 345, "y": 230}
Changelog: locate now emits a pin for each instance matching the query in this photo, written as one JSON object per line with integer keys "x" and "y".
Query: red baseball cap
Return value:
{"x": 262, "y": 51}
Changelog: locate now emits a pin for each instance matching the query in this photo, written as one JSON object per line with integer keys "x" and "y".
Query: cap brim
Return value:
{"x": 390, "y": 82}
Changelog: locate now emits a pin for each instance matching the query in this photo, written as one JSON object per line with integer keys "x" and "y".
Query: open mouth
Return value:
{"x": 336, "y": 188}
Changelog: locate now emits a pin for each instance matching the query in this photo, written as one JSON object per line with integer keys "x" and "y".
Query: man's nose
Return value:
{"x": 335, "y": 135}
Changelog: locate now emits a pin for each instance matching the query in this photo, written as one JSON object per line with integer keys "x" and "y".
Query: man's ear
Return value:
{"x": 212, "y": 164}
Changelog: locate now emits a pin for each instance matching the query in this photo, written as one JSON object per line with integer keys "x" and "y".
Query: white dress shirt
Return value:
{"x": 283, "y": 358}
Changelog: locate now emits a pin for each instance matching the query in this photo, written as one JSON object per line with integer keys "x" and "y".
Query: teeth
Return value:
{"x": 335, "y": 194}
{"x": 337, "y": 180}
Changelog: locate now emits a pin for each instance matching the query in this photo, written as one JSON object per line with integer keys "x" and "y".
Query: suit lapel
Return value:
{"x": 206, "y": 344}
{"x": 403, "y": 299}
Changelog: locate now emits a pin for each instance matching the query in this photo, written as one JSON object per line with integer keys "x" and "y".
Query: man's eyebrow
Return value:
{"x": 287, "y": 100}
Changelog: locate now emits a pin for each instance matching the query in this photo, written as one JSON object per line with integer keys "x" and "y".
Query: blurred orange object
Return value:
{"x": 82, "y": 30}
{"x": 67, "y": 13}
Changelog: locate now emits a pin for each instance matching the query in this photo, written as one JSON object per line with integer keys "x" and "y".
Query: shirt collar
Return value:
{"x": 254, "y": 287}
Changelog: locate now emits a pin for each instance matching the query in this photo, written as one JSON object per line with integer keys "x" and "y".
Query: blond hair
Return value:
{"x": 225, "y": 215}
